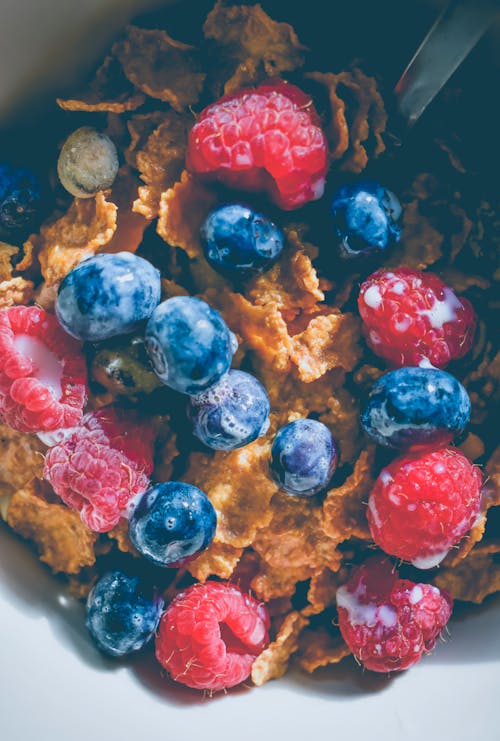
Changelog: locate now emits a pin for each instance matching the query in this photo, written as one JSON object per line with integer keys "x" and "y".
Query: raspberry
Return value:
{"x": 388, "y": 622}
{"x": 266, "y": 139}
{"x": 102, "y": 467}
{"x": 210, "y": 635}
{"x": 43, "y": 375}
{"x": 422, "y": 504}
{"x": 412, "y": 318}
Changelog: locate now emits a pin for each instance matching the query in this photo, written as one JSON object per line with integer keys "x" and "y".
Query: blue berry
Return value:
{"x": 20, "y": 199}
{"x": 232, "y": 413}
{"x": 415, "y": 406}
{"x": 121, "y": 619}
{"x": 365, "y": 218}
{"x": 189, "y": 344}
{"x": 107, "y": 295}
{"x": 303, "y": 457}
{"x": 172, "y": 523}
{"x": 88, "y": 162}
{"x": 239, "y": 241}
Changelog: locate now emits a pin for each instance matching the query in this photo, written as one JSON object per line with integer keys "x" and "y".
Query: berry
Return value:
{"x": 421, "y": 505}
{"x": 102, "y": 467}
{"x": 124, "y": 368}
{"x": 43, "y": 375}
{"x": 240, "y": 242}
{"x": 387, "y": 622}
{"x": 172, "y": 523}
{"x": 416, "y": 406}
{"x": 120, "y": 618}
{"x": 20, "y": 200}
{"x": 303, "y": 457}
{"x": 189, "y": 344}
{"x": 365, "y": 218}
{"x": 88, "y": 162}
{"x": 108, "y": 295}
{"x": 232, "y": 413}
{"x": 210, "y": 635}
{"x": 266, "y": 139}
{"x": 413, "y": 318}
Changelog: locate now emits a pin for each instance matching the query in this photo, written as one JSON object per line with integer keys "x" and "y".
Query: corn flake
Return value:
{"x": 272, "y": 663}
{"x": 220, "y": 559}
{"x": 320, "y": 648}
{"x": 109, "y": 91}
{"x": 161, "y": 67}
{"x": 473, "y": 579}
{"x": 16, "y": 291}
{"x": 21, "y": 457}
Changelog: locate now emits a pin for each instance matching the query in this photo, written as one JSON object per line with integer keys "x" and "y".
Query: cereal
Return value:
{"x": 320, "y": 648}
{"x": 272, "y": 663}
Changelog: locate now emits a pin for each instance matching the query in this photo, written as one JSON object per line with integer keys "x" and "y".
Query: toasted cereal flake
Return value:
{"x": 320, "y": 648}
{"x": 322, "y": 590}
{"x": 247, "y": 74}
{"x": 161, "y": 67}
{"x": 460, "y": 282}
{"x": 160, "y": 161}
{"x": 344, "y": 508}
{"x": 130, "y": 226}
{"x": 472, "y": 447}
{"x": 7, "y": 252}
{"x": 119, "y": 534}
{"x": 183, "y": 209}
{"x": 109, "y": 91}
{"x": 140, "y": 126}
{"x": 272, "y": 663}
{"x": 337, "y": 130}
{"x": 88, "y": 225}
{"x": 248, "y": 35}
{"x": 329, "y": 341}
{"x": 483, "y": 385}
{"x": 21, "y": 457}
{"x": 473, "y": 579}
{"x": 279, "y": 582}
{"x": 420, "y": 244}
{"x": 16, "y": 291}
{"x": 63, "y": 541}
{"x": 240, "y": 488}
{"x": 219, "y": 560}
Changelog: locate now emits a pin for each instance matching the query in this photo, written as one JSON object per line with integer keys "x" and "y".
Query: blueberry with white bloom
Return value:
{"x": 415, "y": 406}
{"x": 232, "y": 413}
{"x": 189, "y": 344}
{"x": 120, "y": 618}
{"x": 303, "y": 457}
{"x": 365, "y": 218}
{"x": 108, "y": 295}
{"x": 88, "y": 162}
{"x": 238, "y": 241}
{"x": 172, "y": 523}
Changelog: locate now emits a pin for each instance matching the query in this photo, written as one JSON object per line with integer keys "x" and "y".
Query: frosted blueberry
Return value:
{"x": 119, "y": 618}
{"x": 303, "y": 457}
{"x": 172, "y": 523}
{"x": 415, "y": 406}
{"x": 107, "y": 295}
{"x": 189, "y": 344}
{"x": 232, "y": 413}
{"x": 88, "y": 162}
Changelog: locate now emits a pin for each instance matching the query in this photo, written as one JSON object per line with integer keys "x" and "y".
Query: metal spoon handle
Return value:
{"x": 454, "y": 34}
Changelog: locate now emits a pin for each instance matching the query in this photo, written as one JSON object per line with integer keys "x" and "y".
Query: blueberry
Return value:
{"x": 189, "y": 344}
{"x": 121, "y": 619}
{"x": 303, "y": 457}
{"x": 172, "y": 523}
{"x": 365, "y": 218}
{"x": 107, "y": 295}
{"x": 239, "y": 241}
{"x": 232, "y": 413}
{"x": 88, "y": 162}
{"x": 20, "y": 199}
{"x": 414, "y": 406}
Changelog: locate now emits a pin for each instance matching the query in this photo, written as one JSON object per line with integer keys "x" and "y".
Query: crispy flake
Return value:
{"x": 21, "y": 457}
{"x": 473, "y": 579}
{"x": 320, "y": 648}
{"x": 16, "y": 291}
{"x": 88, "y": 225}
{"x": 130, "y": 226}
{"x": 272, "y": 663}
{"x": 220, "y": 560}
{"x": 161, "y": 67}
{"x": 109, "y": 91}
{"x": 420, "y": 244}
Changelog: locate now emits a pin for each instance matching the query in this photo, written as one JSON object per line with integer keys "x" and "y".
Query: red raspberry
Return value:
{"x": 410, "y": 317}
{"x": 102, "y": 467}
{"x": 422, "y": 504}
{"x": 267, "y": 139}
{"x": 43, "y": 375}
{"x": 388, "y": 622}
{"x": 210, "y": 635}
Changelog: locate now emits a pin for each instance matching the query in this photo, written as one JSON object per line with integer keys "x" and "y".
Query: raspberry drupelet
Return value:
{"x": 387, "y": 622}
{"x": 413, "y": 318}
{"x": 102, "y": 467}
{"x": 422, "y": 504}
{"x": 266, "y": 139}
{"x": 210, "y": 635}
{"x": 43, "y": 375}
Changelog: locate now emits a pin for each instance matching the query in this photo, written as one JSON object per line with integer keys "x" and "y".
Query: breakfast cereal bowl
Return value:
{"x": 444, "y": 175}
